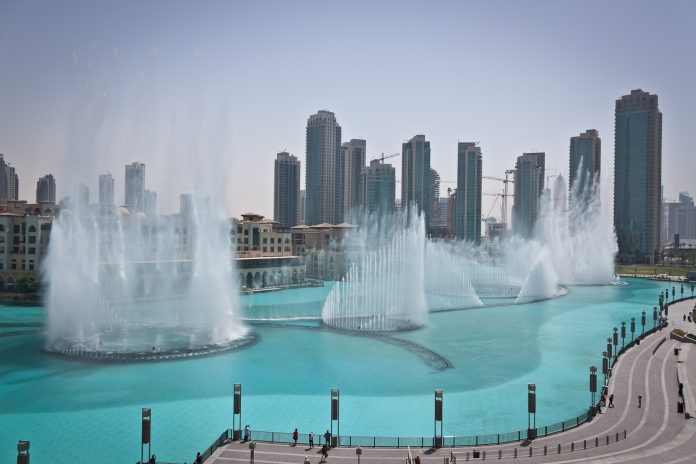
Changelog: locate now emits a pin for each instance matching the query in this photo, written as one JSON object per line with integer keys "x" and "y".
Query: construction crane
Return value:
{"x": 383, "y": 157}
{"x": 505, "y": 194}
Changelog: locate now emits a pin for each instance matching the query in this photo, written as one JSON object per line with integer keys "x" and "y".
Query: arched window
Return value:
{"x": 32, "y": 228}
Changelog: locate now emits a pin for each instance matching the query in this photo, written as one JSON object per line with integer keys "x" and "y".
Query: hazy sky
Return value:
{"x": 206, "y": 93}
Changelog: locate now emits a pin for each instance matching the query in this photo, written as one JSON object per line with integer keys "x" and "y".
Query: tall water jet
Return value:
{"x": 448, "y": 271}
{"x": 541, "y": 283}
{"x": 126, "y": 286}
{"x": 383, "y": 289}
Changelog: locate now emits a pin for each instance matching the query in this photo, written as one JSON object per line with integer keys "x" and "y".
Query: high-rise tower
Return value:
{"x": 415, "y": 175}
{"x": 467, "y": 218}
{"x": 323, "y": 170}
{"x": 529, "y": 185}
{"x": 46, "y": 189}
{"x": 637, "y": 177}
{"x": 106, "y": 189}
{"x": 286, "y": 192}
{"x": 353, "y": 154}
{"x": 135, "y": 186}
{"x": 585, "y": 162}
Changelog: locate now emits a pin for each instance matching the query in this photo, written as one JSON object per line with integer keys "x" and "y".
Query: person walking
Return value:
{"x": 295, "y": 436}
{"x": 306, "y": 460}
{"x": 324, "y": 452}
{"x": 311, "y": 440}
{"x": 611, "y": 401}
{"x": 247, "y": 433}
{"x": 199, "y": 458}
{"x": 327, "y": 438}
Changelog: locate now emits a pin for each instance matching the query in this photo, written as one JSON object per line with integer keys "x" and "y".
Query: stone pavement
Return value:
{"x": 656, "y": 432}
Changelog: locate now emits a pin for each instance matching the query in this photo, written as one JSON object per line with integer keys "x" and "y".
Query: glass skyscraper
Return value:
{"x": 323, "y": 170}
{"x": 637, "y": 177}
{"x": 415, "y": 175}
{"x": 529, "y": 185}
{"x": 585, "y": 162}
{"x": 467, "y": 214}
{"x": 286, "y": 194}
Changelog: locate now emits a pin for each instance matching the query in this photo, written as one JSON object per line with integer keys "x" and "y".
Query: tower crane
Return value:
{"x": 505, "y": 194}
{"x": 383, "y": 157}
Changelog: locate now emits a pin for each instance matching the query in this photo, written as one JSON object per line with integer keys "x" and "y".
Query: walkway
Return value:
{"x": 656, "y": 432}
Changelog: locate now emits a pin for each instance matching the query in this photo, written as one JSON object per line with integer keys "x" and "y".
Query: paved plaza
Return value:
{"x": 655, "y": 432}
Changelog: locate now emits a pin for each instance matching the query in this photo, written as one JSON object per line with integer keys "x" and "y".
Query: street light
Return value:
{"x": 609, "y": 350}
{"x": 623, "y": 334}
{"x": 654, "y": 317}
{"x": 642, "y": 321}
{"x": 593, "y": 384}
{"x": 633, "y": 327}
{"x": 605, "y": 366}
{"x": 252, "y": 447}
{"x": 358, "y": 451}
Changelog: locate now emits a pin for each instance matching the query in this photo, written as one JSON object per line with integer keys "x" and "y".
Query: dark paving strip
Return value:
{"x": 21, "y": 324}
{"x": 430, "y": 357}
{"x": 19, "y": 332}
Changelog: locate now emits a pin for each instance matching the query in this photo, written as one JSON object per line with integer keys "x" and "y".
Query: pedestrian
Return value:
{"x": 324, "y": 452}
{"x": 327, "y": 438}
{"x": 199, "y": 458}
{"x": 681, "y": 389}
{"x": 599, "y": 407}
{"x": 417, "y": 460}
{"x": 153, "y": 460}
{"x": 247, "y": 433}
{"x": 311, "y": 440}
{"x": 295, "y": 436}
{"x": 684, "y": 317}
{"x": 611, "y": 401}
{"x": 603, "y": 400}
{"x": 640, "y": 401}
{"x": 306, "y": 460}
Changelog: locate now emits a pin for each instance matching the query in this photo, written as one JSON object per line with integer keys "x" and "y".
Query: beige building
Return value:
{"x": 24, "y": 234}
{"x": 321, "y": 247}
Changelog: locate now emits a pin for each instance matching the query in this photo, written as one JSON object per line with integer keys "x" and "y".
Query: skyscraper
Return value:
{"x": 82, "y": 194}
{"x": 434, "y": 189}
{"x": 150, "y": 203}
{"x": 106, "y": 189}
{"x": 529, "y": 185}
{"x": 585, "y": 162}
{"x": 467, "y": 223}
{"x": 353, "y": 154}
{"x": 379, "y": 187}
{"x": 46, "y": 189}
{"x": 303, "y": 205}
{"x": 286, "y": 194}
{"x": 135, "y": 186}
{"x": 637, "y": 177}
{"x": 9, "y": 181}
{"x": 323, "y": 170}
{"x": 681, "y": 218}
{"x": 415, "y": 175}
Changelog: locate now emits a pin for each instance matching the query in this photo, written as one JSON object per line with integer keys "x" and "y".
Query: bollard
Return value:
{"x": 500, "y": 454}
{"x": 484, "y": 455}
{"x": 617, "y": 436}
{"x": 572, "y": 447}
{"x": 584, "y": 444}
{"x": 559, "y": 449}
{"x": 607, "y": 439}
{"x": 530, "y": 451}
{"x": 596, "y": 442}
{"x": 545, "y": 450}
{"x": 515, "y": 454}
{"x": 467, "y": 455}
{"x": 624, "y": 434}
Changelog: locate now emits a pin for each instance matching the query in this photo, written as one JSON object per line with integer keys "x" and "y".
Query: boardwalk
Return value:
{"x": 656, "y": 432}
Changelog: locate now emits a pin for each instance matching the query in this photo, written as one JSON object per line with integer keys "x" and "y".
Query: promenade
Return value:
{"x": 655, "y": 432}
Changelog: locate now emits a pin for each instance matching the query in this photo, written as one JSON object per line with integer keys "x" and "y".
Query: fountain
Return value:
{"x": 448, "y": 273}
{"x": 383, "y": 289}
{"x": 126, "y": 287}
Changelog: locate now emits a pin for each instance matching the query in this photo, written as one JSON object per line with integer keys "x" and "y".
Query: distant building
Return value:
{"x": 681, "y": 218}
{"x": 150, "y": 208}
{"x": 353, "y": 153}
{"x": 303, "y": 205}
{"x": 186, "y": 204}
{"x": 415, "y": 175}
{"x": 323, "y": 170}
{"x": 106, "y": 189}
{"x": 286, "y": 192}
{"x": 439, "y": 218}
{"x": 46, "y": 189}
{"x": 434, "y": 189}
{"x": 585, "y": 161}
{"x": 9, "y": 181}
{"x": 467, "y": 224}
{"x": 82, "y": 196}
{"x": 637, "y": 177}
{"x": 529, "y": 185}
{"x": 135, "y": 187}
{"x": 379, "y": 187}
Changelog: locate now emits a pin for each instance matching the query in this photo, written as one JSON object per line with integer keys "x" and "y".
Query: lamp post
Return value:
{"x": 623, "y": 334}
{"x": 358, "y": 452}
{"x": 146, "y": 424}
{"x": 682, "y": 290}
{"x": 692, "y": 290}
{"x": 615, "y": 340}
{"x": 673, "y": 292}
{"x": 654, "y": 317}
{"x": 609, "y": 350}
{"x": 531, "y": 410}
{"x": 593, "y": 385}
{"x": 633, "y": 327}
{"x": 252, "y": 447}
{"x": 642, "y": 321}
{"x": 605, "y": 366}
{"x": 23, "y": 452}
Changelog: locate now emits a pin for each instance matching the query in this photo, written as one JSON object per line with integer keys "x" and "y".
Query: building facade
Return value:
{"x": 637, "y": 177}
{"x": 529, "y": 185}
{"x": 353, "y": 153}
{"x": 106, "y": 189}
{"x": 46, "y": 189}
{"x": 150, "y": 203}
{"x": 323, "y": 170}
{"x": 585, "y": 162}
{"x": 286, "y": 190}
{"x": 467, "y": 224}
{"x": 415, "y": 176}
{"x": 379, "y": 187}
{"x": 135, "y": 187}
